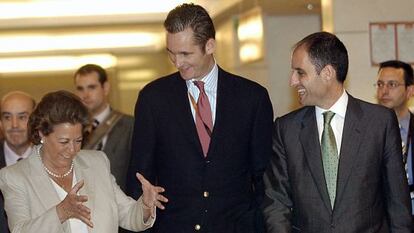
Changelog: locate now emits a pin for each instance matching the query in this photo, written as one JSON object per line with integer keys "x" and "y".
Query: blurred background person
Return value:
{"x": 394, "y": 89}
{"x": 15, "y": 109}
{"x": 60, "y": 188}
{"x": 111, "y": 130}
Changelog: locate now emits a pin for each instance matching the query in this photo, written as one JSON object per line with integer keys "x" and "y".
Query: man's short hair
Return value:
{"x": 91, "y": 68}
{"x": 326, "y": 49}
{"x": 194, "y": 17}
{"x": 408, "y": 70}
{"x": 11, "y": 93}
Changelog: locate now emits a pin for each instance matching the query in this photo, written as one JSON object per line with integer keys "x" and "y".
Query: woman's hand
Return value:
{"x": 151, "y": 195}
{"x": 72, "y": 206}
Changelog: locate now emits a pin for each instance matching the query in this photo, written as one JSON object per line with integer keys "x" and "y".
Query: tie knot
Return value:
{"x": 327, "y": 117}
{"x": 199, "y": 85}
{"x": 95, "y": 123}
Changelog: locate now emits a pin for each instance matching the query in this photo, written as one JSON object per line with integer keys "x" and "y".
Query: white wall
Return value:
{"x": 351, "y": 20}
{"x": 281, "y": 33}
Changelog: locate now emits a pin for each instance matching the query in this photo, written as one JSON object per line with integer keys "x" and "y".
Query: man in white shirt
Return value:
{"x": 15, "y": 109}
{"x": 112, "y": 130}
{"x": 336, "y": 164}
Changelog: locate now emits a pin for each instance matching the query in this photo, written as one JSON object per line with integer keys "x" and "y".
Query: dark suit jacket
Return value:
{"x": 372, "y": 192}
{"x": 221, "y": 192}
{"x": 3, "y": 221}
{"x": 411, "y": 144}
{"x": 118, "y": 149}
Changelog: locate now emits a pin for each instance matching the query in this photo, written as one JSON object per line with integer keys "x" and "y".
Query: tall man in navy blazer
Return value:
{"x": 218, "y": 191}
{"x": 367, "y": 191}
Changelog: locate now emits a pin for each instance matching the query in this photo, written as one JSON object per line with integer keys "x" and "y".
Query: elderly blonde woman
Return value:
{"x": 60, "y": 188}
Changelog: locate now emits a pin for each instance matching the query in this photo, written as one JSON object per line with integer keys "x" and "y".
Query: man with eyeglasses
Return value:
{"x": 394, "y": 89}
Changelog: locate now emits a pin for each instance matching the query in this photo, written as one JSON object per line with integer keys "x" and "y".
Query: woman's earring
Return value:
{"x": 41, "y": 141}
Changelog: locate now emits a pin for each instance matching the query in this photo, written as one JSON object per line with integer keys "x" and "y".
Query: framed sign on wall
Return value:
{"x": 391, "y": 41}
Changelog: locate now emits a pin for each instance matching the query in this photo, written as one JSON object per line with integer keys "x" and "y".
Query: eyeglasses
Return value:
{"x": 389, "y": 84}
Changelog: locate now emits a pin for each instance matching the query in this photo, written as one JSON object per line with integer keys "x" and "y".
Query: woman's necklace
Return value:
{"x": 52, "y": 173}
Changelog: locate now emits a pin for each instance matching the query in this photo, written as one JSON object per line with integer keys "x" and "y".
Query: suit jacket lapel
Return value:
{"x": 309, "y": 138}
{"x": 351, "y": 141}
{"x": 2, "y": 155}
{"x": 42, "y": 185}
{"x": 83, "y": 173}
{"x": 223, "y": 104}
{"x": 181, "y": 106}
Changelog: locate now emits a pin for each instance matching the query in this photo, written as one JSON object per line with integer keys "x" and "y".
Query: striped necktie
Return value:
{"x": 204, "y": 120}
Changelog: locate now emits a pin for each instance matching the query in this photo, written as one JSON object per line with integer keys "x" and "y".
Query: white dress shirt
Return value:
{"x": 11, "y": 157}
{"x": 76, "y": 225}
{"x": 337, "y": 123}
{"x": 210, "y": 87}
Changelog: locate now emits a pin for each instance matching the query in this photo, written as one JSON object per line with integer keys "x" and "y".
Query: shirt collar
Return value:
{"x": 405, "y": 121}
{"x": 12, "y": 156}
{"x": 210, "y": 78}
{"x": 104, "y": 114}
{"x": 339, "y": 107}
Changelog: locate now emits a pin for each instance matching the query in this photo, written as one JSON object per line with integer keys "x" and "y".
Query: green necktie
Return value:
{"x": 329, "y": 155}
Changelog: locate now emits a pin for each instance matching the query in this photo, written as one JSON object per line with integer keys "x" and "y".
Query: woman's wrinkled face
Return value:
{"x": 62, "y": 145}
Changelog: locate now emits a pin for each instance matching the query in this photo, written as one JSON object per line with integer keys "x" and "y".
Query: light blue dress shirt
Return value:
{"x": 404, "y": 128}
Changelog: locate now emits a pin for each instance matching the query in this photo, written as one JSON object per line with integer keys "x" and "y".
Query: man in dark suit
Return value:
{"x": 203, "y": 134}
{"x": 15, "y": 109}
{"x": 112, "y": 130}
{"x": 337, "y": 164}
{"x": 395, "y": 86}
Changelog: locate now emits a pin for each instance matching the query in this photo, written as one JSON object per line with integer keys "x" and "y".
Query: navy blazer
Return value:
{"x": 219, "y": 193}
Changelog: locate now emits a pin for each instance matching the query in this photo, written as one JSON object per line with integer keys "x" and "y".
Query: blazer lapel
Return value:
{"x": 2, "y": 156}
{"x": 351, "y": 142}
{"x": 309, "y": 138}
{"x": 83, "y": 173}
{"x": 42, "y": 185}
{"x": 222, "y": 106}
{"x": 182, "y": 110}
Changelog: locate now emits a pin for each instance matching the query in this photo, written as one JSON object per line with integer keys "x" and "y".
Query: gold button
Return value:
{"x": 206, "y": 194}
{"x": 197, "y": 227}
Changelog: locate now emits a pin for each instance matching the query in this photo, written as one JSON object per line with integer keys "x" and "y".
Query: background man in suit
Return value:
{"x": 15, "y": 109}
{"x": 203, "y": 134}
{"x": 337, "y": 164}
{"x": 112, "y": 130}
{"x": 394, "y": 89}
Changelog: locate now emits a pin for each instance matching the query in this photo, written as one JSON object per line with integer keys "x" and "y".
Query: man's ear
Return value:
{"x": 106, "y": 87}
{"x": 210, "y": 47}
{"x": 328, "y": 73}
{"x": 410, "y": 91}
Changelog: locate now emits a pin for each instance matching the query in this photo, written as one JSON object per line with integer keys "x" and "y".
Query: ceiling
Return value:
{"x": 24, "y": 14}
{"x": 80, "y": 27}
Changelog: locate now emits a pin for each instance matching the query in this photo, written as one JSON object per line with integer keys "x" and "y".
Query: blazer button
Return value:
{"x": 197, "y": 227}
{"x": 206, "y": 194}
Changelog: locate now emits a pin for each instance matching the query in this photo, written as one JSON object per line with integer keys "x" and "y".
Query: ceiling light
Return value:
{"x": 54, "y": 63}
{"x": 46, "y": 42}
{"x": 250, "y": 35}
{"x": 49, "y": 8}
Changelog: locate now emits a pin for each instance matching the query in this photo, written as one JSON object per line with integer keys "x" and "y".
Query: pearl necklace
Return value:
{"x": 52, "y": 173}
